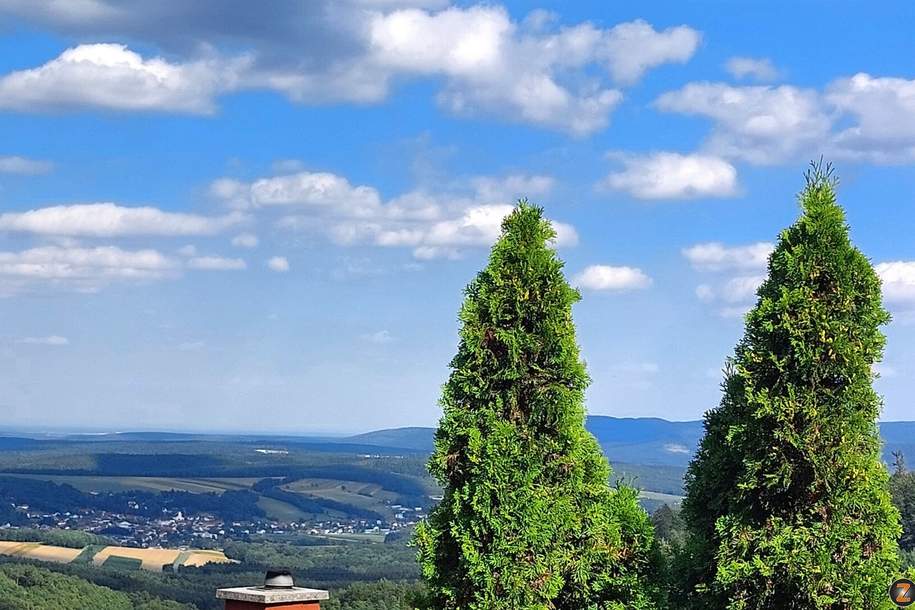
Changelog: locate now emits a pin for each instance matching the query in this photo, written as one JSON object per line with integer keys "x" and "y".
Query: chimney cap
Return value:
{"x": 278, "y": 579}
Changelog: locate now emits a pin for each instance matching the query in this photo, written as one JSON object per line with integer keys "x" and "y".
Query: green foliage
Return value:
{"x": 122, "y": 563}
{"x": 528, "y": 518}
{"x": 25, "y": 587}
{"x": 73, "y": 539}
{"x": 787, "y": 499}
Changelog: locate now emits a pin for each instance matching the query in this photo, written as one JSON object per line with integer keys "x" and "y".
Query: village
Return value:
{"x": 203, "y": 530}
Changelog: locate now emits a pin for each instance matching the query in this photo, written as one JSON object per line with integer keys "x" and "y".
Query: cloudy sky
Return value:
{"x": 221, "y": 217}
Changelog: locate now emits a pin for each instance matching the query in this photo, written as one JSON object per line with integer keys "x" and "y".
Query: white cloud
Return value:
{"x": 740, "y": 272}
{"x": 898, "y": 282}
{"x": 24, "y": 166}
{"x": 558, "y": 77}
{"x": 188, "y": 250}
{"x": 882, "y": 113}
{"x": 112, "y": 220}
{"x": 381, "y": 337}
{"x": 715, "y": 256}
{"x": 608, "y": 278}
{"x": 111, "y": 76}
{"x": 762, "y": 125}
{"x": 676, "y": 448}
{"x": 50, "y": 340}
{"x": 862, "y": 118}
{"x": 78, "y": 268}
{"x": 512, "y": 187}
{"x": 216, "y": 263}
{"x": 245, "y": 240}
{"x": 667, "y": 175}
{"x": 492, "y": 65}
{"x": 759, "y": 69}
{"x": 278, "y": 264}
{"x": 433, "y": 226}
{"x": 631, "y": 49}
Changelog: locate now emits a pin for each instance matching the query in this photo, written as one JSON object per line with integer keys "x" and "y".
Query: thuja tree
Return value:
{"x": 787, "y": 502}
{"x": 528, "y": 519}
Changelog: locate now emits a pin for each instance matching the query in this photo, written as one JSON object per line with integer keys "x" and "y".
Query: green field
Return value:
{"x": 364, "y": 495}
{"x": 281, "y": 511}
{"x": 92, "y": 483}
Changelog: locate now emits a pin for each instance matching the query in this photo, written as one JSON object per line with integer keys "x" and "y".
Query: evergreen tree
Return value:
{"x": 787, "y": 501}
{"x": 528, "y": 520}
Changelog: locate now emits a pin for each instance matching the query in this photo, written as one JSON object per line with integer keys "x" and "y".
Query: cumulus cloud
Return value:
{"x": 112, "y": 220}
{"x": 667, "y": 175}
{"x": 512, "y": 187}
{"x": 715, "y": 256}
{"x": 861, "y": 118}
{"x": 113, "y": 77}
{"x": 559, "y": 77}
{"x": 245, "y": 240}
{"x": 898, "y": 282}
{"x": 758, "y": 124}
{"x": 24, "y": 166}
{"x": 609, "y": 278}
{"x": 50, "y": 340}
{"x": 882, "y": 116}
{"x": 78, "y": 268}
{"x": 432, "y": 225}
{"x": 738, "y": 271}
{"x": 759, "y": 69}
{"x": 278, "y": 263}
{"x": 216, "y": 263}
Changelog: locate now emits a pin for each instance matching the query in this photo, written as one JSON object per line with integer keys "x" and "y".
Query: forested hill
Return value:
{"x": 634, "y": 440}
{"x": 639, "y": 440}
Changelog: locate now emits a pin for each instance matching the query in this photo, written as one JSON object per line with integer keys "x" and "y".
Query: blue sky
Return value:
{"x": 219, "y": 217}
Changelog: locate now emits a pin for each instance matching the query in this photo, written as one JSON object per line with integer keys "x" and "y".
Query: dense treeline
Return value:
{"x": 204, "y": 465}
{"x": 902, "y": 489}
{"x": 28, "y": 587}
{"x": 74, "y": 539}
{"x": 47, "y": 496}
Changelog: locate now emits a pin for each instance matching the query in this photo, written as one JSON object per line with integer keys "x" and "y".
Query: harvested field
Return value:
{"x": 151, "y": 559}
{"x": 42, "y": 552}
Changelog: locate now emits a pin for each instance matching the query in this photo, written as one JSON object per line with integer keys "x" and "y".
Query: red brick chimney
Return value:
{"x": 278, "y": 591}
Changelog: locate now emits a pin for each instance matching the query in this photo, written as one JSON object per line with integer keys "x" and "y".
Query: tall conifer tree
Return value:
{"x": 787, "y": 503}
{"x": 528, "y": 520}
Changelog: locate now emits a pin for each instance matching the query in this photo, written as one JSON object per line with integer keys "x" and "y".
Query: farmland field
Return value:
{"x": 90, "y": 483}
{"x": 148, "y": 559}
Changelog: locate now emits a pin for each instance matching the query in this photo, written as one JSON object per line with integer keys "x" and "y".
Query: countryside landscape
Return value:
{"x": 456, "y": 305}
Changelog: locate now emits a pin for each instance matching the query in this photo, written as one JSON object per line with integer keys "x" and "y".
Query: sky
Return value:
{"x": 236, "y": 216}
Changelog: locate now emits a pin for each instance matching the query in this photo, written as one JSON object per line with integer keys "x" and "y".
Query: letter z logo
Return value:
{"x": 902, "y": 592}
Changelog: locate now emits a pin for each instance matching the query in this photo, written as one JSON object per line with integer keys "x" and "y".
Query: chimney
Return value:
{"x": 278, "y": 591}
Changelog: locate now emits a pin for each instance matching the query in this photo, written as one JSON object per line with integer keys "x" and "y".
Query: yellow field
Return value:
{"x": 35, "y": 550}
{"x": 152, "y": 559}
{"x": 200, "y": 558}
{"x": 57, "y": 554}
{"x": 16, "y": 548}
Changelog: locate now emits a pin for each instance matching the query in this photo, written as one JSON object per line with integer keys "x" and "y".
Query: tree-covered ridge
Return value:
{"x": 27, "y": 587}
{"x": 528, "y": 518}
{"x": 787, "y": 497}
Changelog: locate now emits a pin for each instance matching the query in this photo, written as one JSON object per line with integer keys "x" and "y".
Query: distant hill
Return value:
{"x": 633, "y": 440}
